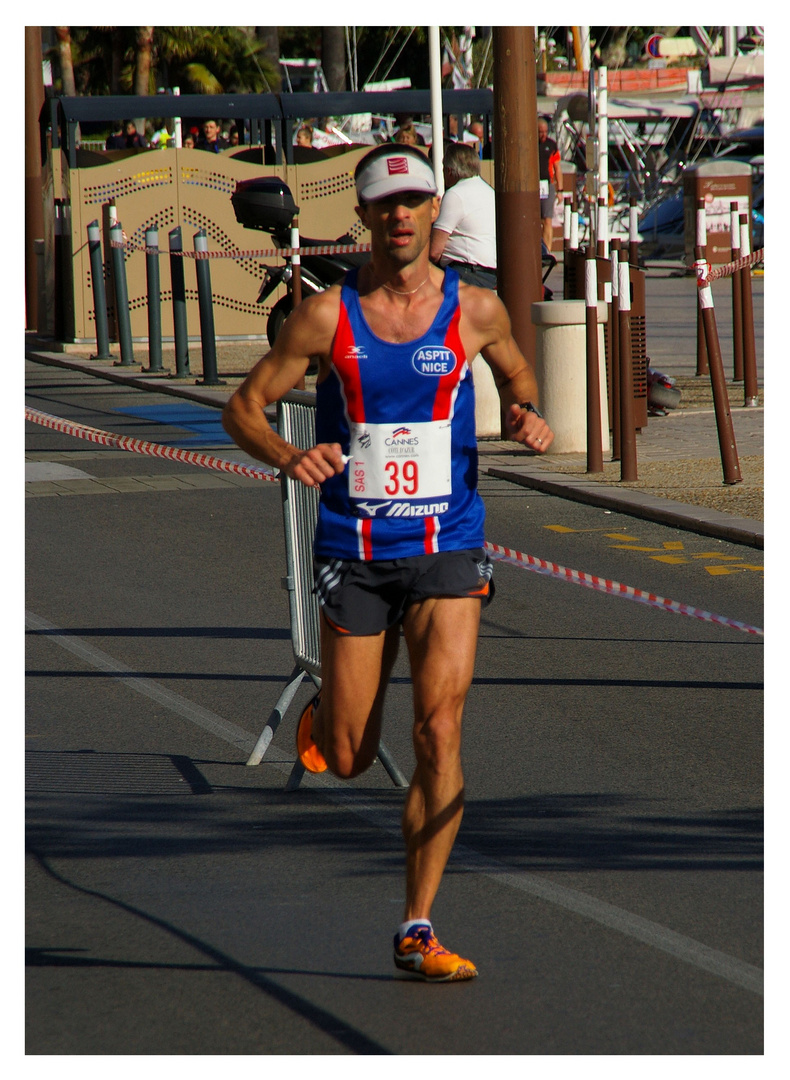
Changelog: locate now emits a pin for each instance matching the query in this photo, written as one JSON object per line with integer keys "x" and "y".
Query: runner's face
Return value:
{"x": 400, "y": 225}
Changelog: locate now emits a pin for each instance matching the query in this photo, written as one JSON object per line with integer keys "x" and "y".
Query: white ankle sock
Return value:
{"x": 404, "y": 927}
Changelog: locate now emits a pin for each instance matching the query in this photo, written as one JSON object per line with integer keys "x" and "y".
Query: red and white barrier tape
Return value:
{"x": 268, "y": 253}
{"x": 613, "y": 588}
{"x": 729, "y": 268}
{"x": 141, "y": 446}
{"x": 502, "y": 554}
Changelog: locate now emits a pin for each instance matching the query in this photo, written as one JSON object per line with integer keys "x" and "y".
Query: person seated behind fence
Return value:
{"x": 212, "y": 139}
{"x": 126, "y": 137}
{"x": 189, "y": 141}
{"x": 464, "y": 234}
{"x": 304, "y": 136}
{"x": 408, "y": 135}
{"x": 233, "y": 136}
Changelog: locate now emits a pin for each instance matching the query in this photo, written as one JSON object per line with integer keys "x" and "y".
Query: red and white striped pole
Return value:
{"x": 750, "y": 398}
{"x": 594, "y": 433}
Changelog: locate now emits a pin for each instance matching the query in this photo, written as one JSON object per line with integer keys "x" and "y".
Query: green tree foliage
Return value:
{"x": 198, "y": 59}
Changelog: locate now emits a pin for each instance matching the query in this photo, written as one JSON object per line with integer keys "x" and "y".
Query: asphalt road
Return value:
{"x": 608, "y": 876}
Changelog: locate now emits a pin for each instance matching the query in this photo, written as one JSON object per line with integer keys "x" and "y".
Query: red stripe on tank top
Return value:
{"x": 445, "y": 391}
{"x": 344, "y": 359}
{"x": 364, "y": 531}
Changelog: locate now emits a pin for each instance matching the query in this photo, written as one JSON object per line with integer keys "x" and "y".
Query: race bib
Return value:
{"x": 543, "y": 189}
{"x": 400, "y": 470}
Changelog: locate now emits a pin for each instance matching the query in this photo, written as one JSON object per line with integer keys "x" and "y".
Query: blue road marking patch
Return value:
{"x": 204, "y": 421}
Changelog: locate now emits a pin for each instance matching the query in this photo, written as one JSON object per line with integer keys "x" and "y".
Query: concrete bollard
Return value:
{"x": 561, "y": 372}
{"x": 208, "y": 340}
{"x": 488, "y": 408}
{"x": 179, "y": 298}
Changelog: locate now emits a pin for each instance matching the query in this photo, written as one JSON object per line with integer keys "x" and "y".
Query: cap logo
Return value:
{"x": 397, "y": 165}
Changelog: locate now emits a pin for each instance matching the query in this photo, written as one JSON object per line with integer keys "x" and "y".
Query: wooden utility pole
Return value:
{"x": 34, "y": 208}
{"x": 517, "y": 179}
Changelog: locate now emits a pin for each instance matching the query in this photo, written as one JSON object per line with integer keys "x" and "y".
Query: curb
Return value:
{"x": 698, "y": 519}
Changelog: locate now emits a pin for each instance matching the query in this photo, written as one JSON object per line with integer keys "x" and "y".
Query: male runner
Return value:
{"x": 399, "y": 540}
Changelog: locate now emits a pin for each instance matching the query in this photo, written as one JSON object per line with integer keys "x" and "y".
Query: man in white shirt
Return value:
{"x": 464, "y": 234}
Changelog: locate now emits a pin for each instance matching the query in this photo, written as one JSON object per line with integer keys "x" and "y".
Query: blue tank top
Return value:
{"x": 405, "y": 415}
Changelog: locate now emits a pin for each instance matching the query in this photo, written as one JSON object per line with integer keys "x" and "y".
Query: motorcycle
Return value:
{"x": 267, "y": 204}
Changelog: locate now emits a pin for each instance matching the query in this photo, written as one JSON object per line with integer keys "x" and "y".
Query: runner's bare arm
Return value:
{"x": 307, "y": 332}
{"x": 492, "y": 335}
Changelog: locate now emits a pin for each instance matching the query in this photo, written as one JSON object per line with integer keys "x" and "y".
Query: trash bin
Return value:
{"x": 719, "y": 183}
{"x": 561, "y": 372}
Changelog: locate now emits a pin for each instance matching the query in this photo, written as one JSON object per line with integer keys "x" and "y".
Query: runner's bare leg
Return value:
{"x": 441, "y": 634}
{"x": 355, "y": 672}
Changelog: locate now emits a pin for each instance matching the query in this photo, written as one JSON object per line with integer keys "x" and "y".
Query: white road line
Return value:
{"x": 736, "y": 971}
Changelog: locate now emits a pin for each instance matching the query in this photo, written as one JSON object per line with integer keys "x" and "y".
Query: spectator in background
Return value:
{"x": 407, "y": 135}
{"x": 233, "y": 136}
{"x": 116, "y": 140}
{"x": 550, "y": 180}
{"x": 126, "y": 138}
{"x": 212, "y": 140}
{"x": 304, "y": 136}
{"x": 463, "y": 236}
{"x": 189, "y": 141}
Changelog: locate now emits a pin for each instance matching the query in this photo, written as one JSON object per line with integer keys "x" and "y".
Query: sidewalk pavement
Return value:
{"x": 678, "y": 459}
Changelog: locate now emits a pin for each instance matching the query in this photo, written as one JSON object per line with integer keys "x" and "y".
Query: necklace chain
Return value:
{"x": 404, "y": 292}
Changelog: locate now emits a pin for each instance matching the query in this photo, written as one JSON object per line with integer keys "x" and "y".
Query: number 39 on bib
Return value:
{"x": 401, "y": 462}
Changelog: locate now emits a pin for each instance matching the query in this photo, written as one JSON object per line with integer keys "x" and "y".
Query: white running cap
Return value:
{"x": 394, "y": 172}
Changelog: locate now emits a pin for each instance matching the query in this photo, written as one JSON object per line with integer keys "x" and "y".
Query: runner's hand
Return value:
{"x": 312, "y": 467}
{"x": 528, "y": 428}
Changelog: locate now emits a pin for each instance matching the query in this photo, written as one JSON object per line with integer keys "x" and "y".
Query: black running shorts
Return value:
{"x": 360, "y": 598}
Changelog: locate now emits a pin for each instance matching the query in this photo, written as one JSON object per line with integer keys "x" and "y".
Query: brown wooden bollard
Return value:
{"x": 737, "y": 295}
{"x": 594, "y": 432}
{"x": 721, "y": 402}
{"x": 701, "y": 245}
{"x": 750, "y": 398}
{"x": 628, "y": 470}
{"x": 615, "y": 349}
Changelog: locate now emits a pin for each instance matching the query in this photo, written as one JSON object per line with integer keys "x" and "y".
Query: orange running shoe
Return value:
{"x": 420, "y": 956}
{"x": 306, "y": 749}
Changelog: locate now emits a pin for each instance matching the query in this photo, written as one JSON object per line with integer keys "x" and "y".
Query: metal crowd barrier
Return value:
{"x": 296, "y": 424}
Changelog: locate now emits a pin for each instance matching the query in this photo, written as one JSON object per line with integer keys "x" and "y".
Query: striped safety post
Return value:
{"x": 701, "y": 245}
{"x": 296, "y": 280}
{"x": 99, "y": 293}
{"x": 737, "y": 294}
{"x": 750, "y": 398}
{"x": 122, "y": 315}
{"x": 721, "y": 401}
{"x": 633, "y": 232}
{"x": 628, "y": 470}
{"x": 594, "y": 433}
{"x": 614, "y": 350}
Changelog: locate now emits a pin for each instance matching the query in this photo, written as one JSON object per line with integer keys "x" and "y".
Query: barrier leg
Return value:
{"x": 278, "y": 712}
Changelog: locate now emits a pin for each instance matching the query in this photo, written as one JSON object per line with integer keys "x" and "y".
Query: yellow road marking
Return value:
{"x": 669, "y": 558}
